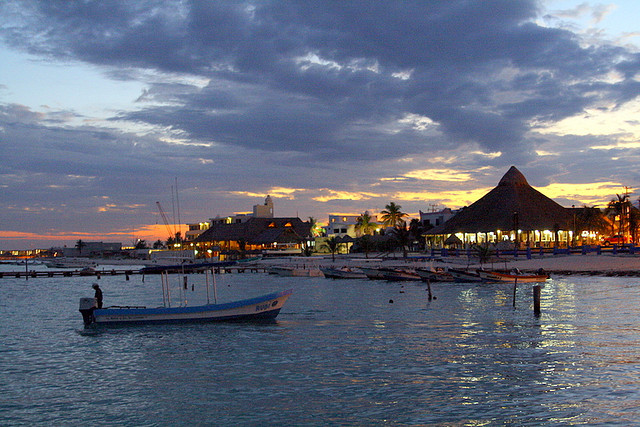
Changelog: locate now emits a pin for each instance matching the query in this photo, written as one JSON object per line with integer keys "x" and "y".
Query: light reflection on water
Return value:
{"x": 340, "y": 353}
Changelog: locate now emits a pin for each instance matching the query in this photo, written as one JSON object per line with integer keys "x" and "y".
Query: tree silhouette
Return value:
{"x": 79, "y": 245}
{"x": 392, "y": 215}
{"x": 333, "y": 246}
{"x": 141, "y": 244}
{"x": 365, "y": 225}
{"x": 416, "y": 231}
{"x": 483, "y": 251}
{"x": 618, "y": 208}
{"x": 402, "y": 237}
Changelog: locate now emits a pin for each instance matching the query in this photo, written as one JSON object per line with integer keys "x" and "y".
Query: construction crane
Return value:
{"x": 166, "y": 221}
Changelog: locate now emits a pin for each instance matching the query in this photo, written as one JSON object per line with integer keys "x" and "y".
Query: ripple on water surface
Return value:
{"x": 340, "y": 353}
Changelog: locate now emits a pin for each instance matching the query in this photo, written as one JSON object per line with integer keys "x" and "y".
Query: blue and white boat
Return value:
{"x": 262, "y": 308}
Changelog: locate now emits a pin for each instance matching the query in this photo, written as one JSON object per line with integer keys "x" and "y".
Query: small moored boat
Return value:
{"x": 373, "y": 273}
{"x": 433, "y": 275}
{"x": 399, "y": 274}
{"x": 460, "y": 275}
{"x": 342, "y": 273}
{"x": 497, "y": 276}
{"x": 262, "y": 308}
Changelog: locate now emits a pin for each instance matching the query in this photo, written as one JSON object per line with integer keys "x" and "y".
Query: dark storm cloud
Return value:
{"x": 327, "y": 77}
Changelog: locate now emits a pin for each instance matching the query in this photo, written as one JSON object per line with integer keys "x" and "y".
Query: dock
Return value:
{"x": 118, "y": 272}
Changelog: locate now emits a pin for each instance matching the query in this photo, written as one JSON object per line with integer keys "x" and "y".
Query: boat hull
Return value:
{"x": 400, "y": 276}
{"x": 495, "y": 276}
{"x": 464, "y": 276}
{"x": 372, "y": 273}
{"x": 433, "y": 276}
{"x": 263, "y": 308}
{"x": 337, "y": 273}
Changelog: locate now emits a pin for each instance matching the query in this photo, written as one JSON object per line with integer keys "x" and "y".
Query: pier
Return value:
{"x": 120, "y": 272}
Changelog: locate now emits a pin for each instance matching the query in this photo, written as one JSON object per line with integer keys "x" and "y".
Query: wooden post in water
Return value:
{"x": 429, "y": 289}
{"x": 515, "y": 286}
{"x": 536, "y": 300}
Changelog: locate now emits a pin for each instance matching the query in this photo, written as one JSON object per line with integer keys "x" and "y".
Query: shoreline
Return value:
{"x": 588, "y": 265}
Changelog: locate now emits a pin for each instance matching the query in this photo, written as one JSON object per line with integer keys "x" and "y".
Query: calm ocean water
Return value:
{"x": 340, "y": 353}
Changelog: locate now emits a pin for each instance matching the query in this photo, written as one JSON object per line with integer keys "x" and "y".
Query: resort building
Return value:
{"x": 512, "y": 212}
{"x": 436, "y": 218}
{"x": 259, "y": 211}
{"x": 92, "y": 249}
{"x": 256, "y": 235}
{"x": 342, "y": 225}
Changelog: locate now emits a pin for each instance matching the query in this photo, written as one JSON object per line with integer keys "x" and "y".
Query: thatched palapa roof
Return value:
{"x": 259, "y": 231}
{"x": 512, "y": 204}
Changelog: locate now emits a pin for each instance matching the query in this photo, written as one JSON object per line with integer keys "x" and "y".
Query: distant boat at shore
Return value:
{"x": 343, "y": 273}
{"x": 460, "y": 275}
{"x": 497, "y": 276}
{"x": 291, "y": 271}
{"x": 69, "y": 263}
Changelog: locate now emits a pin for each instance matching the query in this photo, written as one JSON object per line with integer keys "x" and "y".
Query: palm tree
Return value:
{"x": 141, "y": 244}
{"x": 483, "y": 251}
{"x": 416, "y": 231}
{"x": 364, "y": 224}
{"x": 590, "y": 219}
{"x": 242, "y": 246}
{"x": 634, "y": 222}
{"x": 365, "y": 244}
{"x": 402, "y": 237}
{"x": 316, "y": 230}
{"x": 392, "y": 215}
{"x": 333, "y": 246}
{"x": 79, "y": 245}
{"x": 618, "y": 208}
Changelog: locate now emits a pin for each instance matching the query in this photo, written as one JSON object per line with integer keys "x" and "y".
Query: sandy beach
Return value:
{"x": 589, "y": 264}
{"x": 605, "y": 264}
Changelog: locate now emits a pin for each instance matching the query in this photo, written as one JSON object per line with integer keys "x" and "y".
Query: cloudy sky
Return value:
{"x": 328, "y": 106}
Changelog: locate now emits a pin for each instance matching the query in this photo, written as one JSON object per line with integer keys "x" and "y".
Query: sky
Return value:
{"x": 330, "y": 107}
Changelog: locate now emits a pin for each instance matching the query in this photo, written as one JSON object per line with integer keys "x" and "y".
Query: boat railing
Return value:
{"x": 126, "y": 306}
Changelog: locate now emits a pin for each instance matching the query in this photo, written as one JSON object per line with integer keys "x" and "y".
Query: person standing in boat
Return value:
{"x": 98, "y": 295}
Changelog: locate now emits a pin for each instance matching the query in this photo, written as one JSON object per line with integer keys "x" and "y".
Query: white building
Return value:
{"x": 342, "y": 225}
{"x": 435, "y": 218}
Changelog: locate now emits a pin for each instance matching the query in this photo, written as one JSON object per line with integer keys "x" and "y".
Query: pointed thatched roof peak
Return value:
{"x": 513, "y": 177}
{"x": 512, "y": 204}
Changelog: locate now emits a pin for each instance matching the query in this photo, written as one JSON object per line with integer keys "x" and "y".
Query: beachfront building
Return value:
{"x": 341, "y": 225}
{"x": 264, "y": 210}
{"x": 436, "y": 217}
{"x": 92, "y": 249}
{"x": 256, "y": 235}
{"x": 513, "y": 213}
